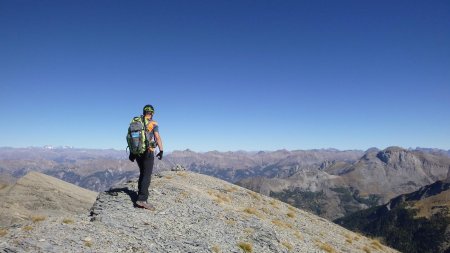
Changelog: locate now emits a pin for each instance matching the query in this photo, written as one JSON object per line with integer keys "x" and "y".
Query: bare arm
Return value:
{"x": 159, "y": 141}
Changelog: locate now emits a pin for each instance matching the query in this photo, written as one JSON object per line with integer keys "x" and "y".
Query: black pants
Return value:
{"x": 145, "y": 162}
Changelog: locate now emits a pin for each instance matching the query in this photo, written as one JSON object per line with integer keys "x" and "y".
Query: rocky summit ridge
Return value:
{"x": 194, "y": 213}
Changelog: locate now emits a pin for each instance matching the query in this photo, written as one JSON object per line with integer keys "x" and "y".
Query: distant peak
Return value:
{"x": 372, "y": 150}
{"x": 394, "y": 149}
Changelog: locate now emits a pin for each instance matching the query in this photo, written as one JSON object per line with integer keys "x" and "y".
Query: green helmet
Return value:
{"x": 148, "y": 109}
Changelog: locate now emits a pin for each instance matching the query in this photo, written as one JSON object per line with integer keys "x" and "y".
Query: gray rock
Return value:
{"x": 197, "y": 213}
{"x": 178, "y": 167}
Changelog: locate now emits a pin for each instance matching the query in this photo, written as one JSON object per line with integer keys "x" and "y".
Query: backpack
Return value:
{"x": 136, "y": 137}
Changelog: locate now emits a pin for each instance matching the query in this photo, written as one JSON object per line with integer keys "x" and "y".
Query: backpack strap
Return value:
{"x": 145, "y": 132}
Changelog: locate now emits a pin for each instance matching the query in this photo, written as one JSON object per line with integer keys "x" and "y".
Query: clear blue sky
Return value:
{"x": 226, "y": 75}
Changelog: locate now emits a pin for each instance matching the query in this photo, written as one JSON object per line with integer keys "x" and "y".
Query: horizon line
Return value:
{"x": 51, "y": 147}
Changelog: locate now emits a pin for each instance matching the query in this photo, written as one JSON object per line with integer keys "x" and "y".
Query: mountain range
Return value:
{"x": 328, "y": 182}
{"x": 417, "y": 222}
{"x": 100, "y": 169}
{"x": 337, "y": 188}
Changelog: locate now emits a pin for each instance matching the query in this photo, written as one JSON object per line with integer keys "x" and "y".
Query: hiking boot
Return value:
{"x": 144, "y": 204}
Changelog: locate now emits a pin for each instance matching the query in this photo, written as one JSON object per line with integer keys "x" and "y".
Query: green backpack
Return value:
{"x": 137, "y": 142}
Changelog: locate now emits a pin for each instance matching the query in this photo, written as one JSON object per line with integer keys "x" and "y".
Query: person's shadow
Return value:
{"x": 133, "y": 195}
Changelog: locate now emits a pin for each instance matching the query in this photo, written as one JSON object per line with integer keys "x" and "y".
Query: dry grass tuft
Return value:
{"x": 215, "y": 249}
{"x": 246, "y": 247}
{"x": 325, "y": 247}
{"x": 68, "y": 221}
{"x": 291, "y": 215}
{"x": 222, "y": 198}
{"x": 254, "y": 195}
{"x": 298, "y": 235}
{"x": 274, "y": 203}
{"x": 37, "y": 218}
{"x": 266, "y": 210}
{"x": 219, "y": 197}
{"x": 183, "y": 195}
{"x": 287, "y": 245}
{"x": 366, "y": 249}
{"x": 348, "y": 238}
{"x": 376, "y": 244}
{"x": 251, "y": 210}
{"x": 181, "y": 174}
{"x": 3, "y": 232}
{"x": 231, "y": 189}
{"x": 27, "y": 228}
{"x": 230, "y": 222}
{"x": 281, "y": 224}
{"x": 322, "y": 220}
{"x": 88, "y": 244}
{"x": 291, "y": 208}
{"x": 249, "y": 230}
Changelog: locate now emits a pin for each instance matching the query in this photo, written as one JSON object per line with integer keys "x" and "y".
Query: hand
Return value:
{"x": 131, "y": 157}
{"x": 160, "y": 154}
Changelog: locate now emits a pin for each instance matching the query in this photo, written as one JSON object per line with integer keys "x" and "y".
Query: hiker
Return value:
{"x": 143, "y": 152}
